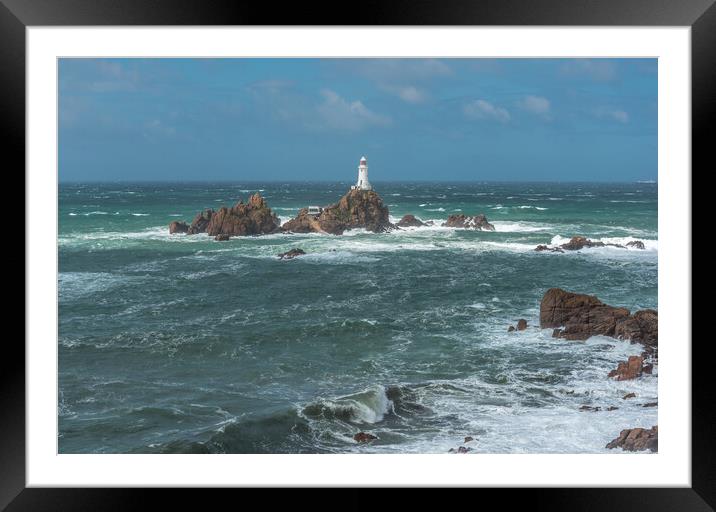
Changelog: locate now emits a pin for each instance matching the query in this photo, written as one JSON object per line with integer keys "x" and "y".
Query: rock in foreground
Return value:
{"x": 581, "y": 316}
{"x": 463, "y": 221}
{"x": 637, "y": 439}
{"x": 356, "y": 209}
{"x": 363, "y": 437}
{"x": 410, "y": 221}
{"x": 631, "y": 369}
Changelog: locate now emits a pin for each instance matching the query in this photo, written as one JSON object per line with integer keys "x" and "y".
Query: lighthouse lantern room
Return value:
{"x": 363, "y": 183}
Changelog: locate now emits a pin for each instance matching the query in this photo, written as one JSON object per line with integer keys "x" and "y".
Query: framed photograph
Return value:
{"x": 435, "y": 247}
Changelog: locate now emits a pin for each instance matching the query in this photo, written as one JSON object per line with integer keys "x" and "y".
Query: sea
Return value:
{"x": 181, "y": 344}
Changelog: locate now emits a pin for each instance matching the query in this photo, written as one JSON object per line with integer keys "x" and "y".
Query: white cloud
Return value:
{"x": 481, "y": 109}
{"x": 338, "y": 113}
{"x": 613, "y": 114}
{"x": 536, "y": 105}
{"x": 408, "y": 93}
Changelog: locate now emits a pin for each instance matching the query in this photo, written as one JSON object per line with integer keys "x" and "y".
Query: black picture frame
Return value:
{"x": 16, "y": 15}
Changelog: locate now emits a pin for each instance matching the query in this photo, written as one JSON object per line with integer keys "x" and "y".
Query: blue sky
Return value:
{"x": 312, "y": 119}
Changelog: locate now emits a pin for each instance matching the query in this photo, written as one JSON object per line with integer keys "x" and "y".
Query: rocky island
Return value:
{"x": 356, "y": 209}
{"x": 242, "y": 219}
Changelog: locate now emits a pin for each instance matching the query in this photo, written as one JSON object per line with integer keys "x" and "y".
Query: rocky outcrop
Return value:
{"x": 363, "y": 437}
{"x": 578, "y": 317}
{"x": 637, "y": 439}
{"x": 252, "y": 218}
{"x": 222, "y": 237}
{"x": 463, "y": 221}
{"x": 178, "y": 226}
{"x": 521, "y": 324}
{"x": 642, "y": 326}
{"x": 630, "y": 369}
{"x": 356, "y": 209}
{"x": 410, "y": 221}
{"x": 577, "y": 243}
{"x": 289, "y": 255}
{"x": 200, "y": 222}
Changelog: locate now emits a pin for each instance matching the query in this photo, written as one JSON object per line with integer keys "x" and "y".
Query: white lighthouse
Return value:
{"x": 363, "y": 183}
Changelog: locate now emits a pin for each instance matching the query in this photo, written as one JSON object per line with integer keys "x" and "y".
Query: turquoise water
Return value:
{"x": 182, "y": 344}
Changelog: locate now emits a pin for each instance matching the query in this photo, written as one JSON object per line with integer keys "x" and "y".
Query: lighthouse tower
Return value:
{"x": 363, "y": 183}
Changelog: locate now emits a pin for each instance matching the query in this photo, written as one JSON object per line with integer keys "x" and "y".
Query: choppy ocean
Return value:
{"x": 176, "y": 343}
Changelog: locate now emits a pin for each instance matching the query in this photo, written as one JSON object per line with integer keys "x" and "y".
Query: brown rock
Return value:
{"x": 579, "y": 242}
{"x": 254, "y": 218}
{"x": 462, "y": 221}
{"x": 409, "y": 221}
{"x": 629, "y": 395}
{"x": 291, "y": 254}
{"x": 637, "y": 439}
{"x": 642, "y": 327}
{"x": 521, "y": 324}
{"x": 590, "y": 408}
{"x": 356, "y": 209}
{"x": 200, "y": 222}
{"x": 178, "y": 227}
{"x": 582, "y": 316}
{"x": 221, "y": 237}
{"x": 363, "y": 437}
{"x": 631, "y": 369}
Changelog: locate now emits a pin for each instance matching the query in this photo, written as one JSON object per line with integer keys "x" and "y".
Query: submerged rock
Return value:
{"x": 578, "y": 316}
{"x": 469, "y": 438}
{"x": 637, "y": 439}
{"x": 629, "y": 395}
{"x": 511, "y": 328}
{"x": 289, "y": 255}
{"x": 363, "y": 437}
{"x": 636, "y": 244}
{"x": 410, "y": 221}
{"x": 178, "y": 226}
{"x": 463, "y": 221}
{"x": 541, "y": 248}
{"x": 356, "y": 209}
{"x": 221, "y": 237}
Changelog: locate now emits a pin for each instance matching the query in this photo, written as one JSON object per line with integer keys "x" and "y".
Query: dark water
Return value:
{"x": 182, "y": 344}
